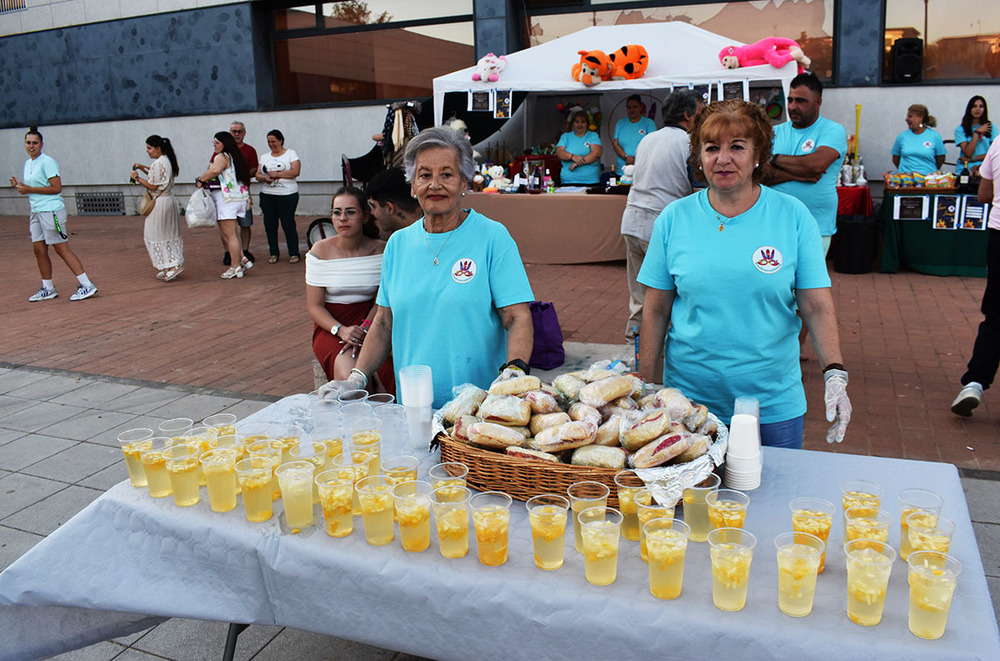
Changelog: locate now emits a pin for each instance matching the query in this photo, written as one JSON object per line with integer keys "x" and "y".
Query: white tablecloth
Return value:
{"x": 128, "y": 553}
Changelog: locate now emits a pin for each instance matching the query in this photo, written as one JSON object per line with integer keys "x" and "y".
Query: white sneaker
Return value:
{"x": 43, "y": 294}
{"x": 968, "y": 398}
{"x": 83, "y": 291}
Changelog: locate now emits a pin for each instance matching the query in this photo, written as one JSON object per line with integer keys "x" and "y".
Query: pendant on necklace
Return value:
{"x": 435, "y": 261}
{"x": 722, "y": 226}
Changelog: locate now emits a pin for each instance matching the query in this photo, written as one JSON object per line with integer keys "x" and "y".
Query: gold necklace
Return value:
{"x": 722, "y": 223}
{"x": 443, "y": 244}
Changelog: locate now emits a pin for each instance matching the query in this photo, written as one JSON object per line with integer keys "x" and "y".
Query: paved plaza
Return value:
{"x": 73, "y": 374}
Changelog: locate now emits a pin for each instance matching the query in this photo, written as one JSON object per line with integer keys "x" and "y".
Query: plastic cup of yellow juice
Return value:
{"x": 402, "y": 468}
{"x": 336, "y": 493}
{"x": 288, "y": 434}
{"x": 174, "y": 427}
{"x": 233, "y": 442}
{"x": 154, "y": 465}
{"x": 491, "y": 520}
{"x": 932, "y": 577}
{"x": 375, "y": 495}
{"x": 864, "y": 522}
{"x": 869, "y": 564}
{"x": 910, "y": 501}
{"x": 815, "y": 517}
{"x": 271, "y": 448}
{"x": 798, "y": 566}
{"x": 696, "y": 507}
{"x": 627, "y": 484}
{"x": 366, "y": 435}
{"x": 547, "y": 516}
{"x": 451, "y": 519}
{"x": 666, "y": 545}
{"x": 219, "y": 466}
{"x": 648, "y": 509}
{"x": 255, "y": 474}
{"x": 315, "y": 453}
{"x": 358, "y": 462}
{"x": 600, "y": 528}
{"x": 251, "y": 432}
{"x": 224, "y": 423}
{"x": 449, "y": 474}
{"x": 296, "y": 481}
{"x": 413, "y": 513}
{"x": 859, "y": 492}
{"x": 584, "y": 495}
{"x": 182, "y": 467}
{"x": 930, "y": 532}
{"x": 731, "y": 550}
{"x": 129, "y": 442}
{"x": 727, "y": 508}
{"x": 203, "y": 437}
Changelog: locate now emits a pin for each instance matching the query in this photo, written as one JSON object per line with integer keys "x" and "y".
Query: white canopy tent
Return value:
{"x": 680, "y": 55}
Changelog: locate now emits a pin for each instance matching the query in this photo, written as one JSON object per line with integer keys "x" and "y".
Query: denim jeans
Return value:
{"x": 784, "y": 434}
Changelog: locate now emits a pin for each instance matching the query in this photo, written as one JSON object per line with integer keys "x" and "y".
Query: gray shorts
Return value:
{"x": 246, "y": 221}
{"x": 48, "y": 226}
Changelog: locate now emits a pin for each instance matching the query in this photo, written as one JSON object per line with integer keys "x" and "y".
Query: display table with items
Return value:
{"x": 558, "y": 228}
{"x": 920, "y": 233}
{"x": 128, "y": 559}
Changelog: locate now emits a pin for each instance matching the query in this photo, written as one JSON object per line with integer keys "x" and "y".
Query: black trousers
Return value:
{"x": 281, "y": 208}
{"x": 986, "y": 352}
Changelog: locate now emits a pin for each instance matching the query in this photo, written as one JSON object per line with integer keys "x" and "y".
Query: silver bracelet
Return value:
{"x": 355, "y": 370}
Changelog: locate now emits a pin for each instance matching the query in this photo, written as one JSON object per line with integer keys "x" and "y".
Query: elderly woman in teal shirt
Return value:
{"x": 580, "y": 152}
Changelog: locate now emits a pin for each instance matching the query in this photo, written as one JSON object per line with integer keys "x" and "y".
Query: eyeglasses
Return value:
{"x": 237, "y": 131}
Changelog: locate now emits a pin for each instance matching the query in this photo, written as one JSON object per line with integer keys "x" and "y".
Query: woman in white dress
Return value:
{"x": 162, "y": 232}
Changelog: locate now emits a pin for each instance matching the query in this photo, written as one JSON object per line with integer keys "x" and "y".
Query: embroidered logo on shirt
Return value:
{"x": 587, "y": 144}
{"x": 642, "y": 131}
{"x": 927, "y": 144}
{"x": 767, "y": 259}
{"x": 463, "y": 270}
{"x": 808, "y": 146}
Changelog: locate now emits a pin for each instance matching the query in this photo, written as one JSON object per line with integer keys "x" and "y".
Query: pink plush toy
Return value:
{"x": 489, "y": 67}
{"x": 775, "y": 51}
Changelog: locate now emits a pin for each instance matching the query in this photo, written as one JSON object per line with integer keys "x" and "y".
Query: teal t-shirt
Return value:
{"x": 821, "y": 197}
{"x": 917, "y": 152}
{"x": 574, "y": 144}
{"x": 982, "y": 146}
{"x": 37, "y": 173}
{"x": 445, "y": 316}
{"x": 733, "y": 328}
{"x": 629, "y": 134}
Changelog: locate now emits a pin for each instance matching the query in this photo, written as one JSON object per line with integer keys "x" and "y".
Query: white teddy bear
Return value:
{"x": 628, "y": 172}
{"x": 489, "y": 67}
{"x": 497, "y": 178}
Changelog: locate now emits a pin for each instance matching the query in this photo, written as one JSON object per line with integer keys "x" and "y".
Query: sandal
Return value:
{"x": 273, "y": 259}
{"x": 246, "y": 264}
{"x": 233, "y": 272}
{"x": 161, "y": 274}
{"x": 172, "y": 273}
{"x": 294, "y": 259}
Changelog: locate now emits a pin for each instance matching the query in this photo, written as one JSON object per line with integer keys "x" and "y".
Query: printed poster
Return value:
{"x": 501, "y": 107}
{"x": 974, "y": 214}
{"x": 947, "y": 209}
{"x": 911, "y": 207}
{"x": 480, "y": 101}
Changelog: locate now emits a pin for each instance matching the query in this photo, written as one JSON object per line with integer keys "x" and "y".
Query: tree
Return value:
{"x": 357, "y": 12}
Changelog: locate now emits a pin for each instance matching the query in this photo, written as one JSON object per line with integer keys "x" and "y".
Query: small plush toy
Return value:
{"x": 593, "y": 67}
{"x": 775, "y": 51}
{"x": 489, "y": 67}
{"x": 628, "y": 172}
{"x": 629, "y": 62}
{"x": 497, "y": 178}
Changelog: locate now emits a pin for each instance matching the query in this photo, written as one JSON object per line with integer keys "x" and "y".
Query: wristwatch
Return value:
{"x": 336, "y": 329}
{"x": 517, "y": 364}
{"x": 774, "y": 160}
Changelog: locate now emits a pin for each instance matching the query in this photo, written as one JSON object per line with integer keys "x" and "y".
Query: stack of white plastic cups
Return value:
{"x": 417, "y": 395}
{"x": 395, "y": 430}
{"x": 326, "y": 418}
{"x": 743, "y": 458}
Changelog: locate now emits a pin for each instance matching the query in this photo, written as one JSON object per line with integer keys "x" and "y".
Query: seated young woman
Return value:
{"x": 343, "y": 274}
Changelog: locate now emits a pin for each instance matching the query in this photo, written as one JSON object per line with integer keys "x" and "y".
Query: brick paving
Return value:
{"x": 906, "y": 336}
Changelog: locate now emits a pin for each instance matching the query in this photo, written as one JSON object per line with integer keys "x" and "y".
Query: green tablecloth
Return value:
{"x": 917, "y": 245}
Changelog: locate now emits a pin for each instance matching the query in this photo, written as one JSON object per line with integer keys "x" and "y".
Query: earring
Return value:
{"x": 756, "y": 165}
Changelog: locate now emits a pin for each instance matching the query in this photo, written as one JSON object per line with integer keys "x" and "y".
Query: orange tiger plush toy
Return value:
{"x": 593, "y": 67}
{"x": 629, "y": 62}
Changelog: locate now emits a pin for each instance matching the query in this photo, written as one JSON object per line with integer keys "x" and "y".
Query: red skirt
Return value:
{"x": 327, "y": 346}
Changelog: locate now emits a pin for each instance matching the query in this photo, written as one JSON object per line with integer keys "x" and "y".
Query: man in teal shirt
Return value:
{"x": 807, "y": 154}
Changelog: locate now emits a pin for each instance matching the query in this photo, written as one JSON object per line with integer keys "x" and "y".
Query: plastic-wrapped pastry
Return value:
{"x": 579, "y": 411}
{"x": 491, "y": 435}
{"x": 652, "y": 425}
{"x": 527, "y": 453}
{"x": 661, "y": 450}
{"x": 467, "y": 399}
{"x": 638, "y": 386}
{"x": 566, "y": 436}
{"x": 674, "y": 401}
{"x": 599, "y": 456}
{"x": 622, "y": 403}
{"x": 542, "y": 402}
{"x": 505, "y": 409}
{"x": 569, "y": 386}
{"x": 601, "y": 392}
{"x": 461, "y": 429}
{"x": 546, "y": 420}
{"x": 696, "y": 418}
{"x": 649, "y": 402}
{"x": 595, "y": 374}
{"x": 607, "y": 434}
{"x": 516, "y": 386}
{"x": 698, "y": 445}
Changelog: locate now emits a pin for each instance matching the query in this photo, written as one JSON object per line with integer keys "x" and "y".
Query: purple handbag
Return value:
{"x": 548, "y": 352}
